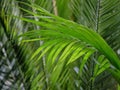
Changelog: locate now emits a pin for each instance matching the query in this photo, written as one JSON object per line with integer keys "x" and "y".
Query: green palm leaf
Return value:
{"x": 52, "y": 53}
{"x": 77, "y": 33}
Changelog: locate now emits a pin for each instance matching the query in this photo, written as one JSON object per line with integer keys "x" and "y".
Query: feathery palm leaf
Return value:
{"x": 58, "y": 54}
{"x": 63, "y": 32}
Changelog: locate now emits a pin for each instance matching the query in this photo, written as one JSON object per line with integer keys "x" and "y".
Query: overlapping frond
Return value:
{"x": 57, "y": 54}
{"x": 12, "y": 53}
{"x": 100, "y": 15}
{"x": 65, "y": 42}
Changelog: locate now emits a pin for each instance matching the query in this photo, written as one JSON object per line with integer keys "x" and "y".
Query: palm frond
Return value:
{"x": 51, "y": 53}
{"x": 71, "y": 36}
{"x": 100, "y": 15}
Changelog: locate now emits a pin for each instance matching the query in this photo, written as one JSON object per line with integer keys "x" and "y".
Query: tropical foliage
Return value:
{"x": 59, "y": 44}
